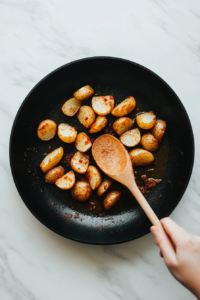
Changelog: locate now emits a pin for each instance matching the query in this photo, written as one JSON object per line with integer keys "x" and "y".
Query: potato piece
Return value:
{"x": 55, "y": 173}
{"x": 146, "y": 120}
{"x": 158, "y": 130}
{"x": 46, "y": 130}
{"x": 67, "y": 133}
{"x": 86, "y": 116}
{"x": 52, "y": 159}
{"x": 80, "y": 162}
{"x": 125, "y": 107}
{"x": 111, "y": 199}
{"x": 67, "y": 181}
{"x": 123, "y": 124}
{"x": 104, "y": 186}
{"x": 84, "y": 93}
{"x": 99, "y": 124}
{"x": 83, "y": 142}
{"x": 71, "y": 106}
{"x": 81, "y": 191}
{"x": 103, "y": 105}
{"x": 141, "y": 157}
{"x": 131, "y": 137}
{"x": 94, "y": 177}
{"x": 149, "y": 142}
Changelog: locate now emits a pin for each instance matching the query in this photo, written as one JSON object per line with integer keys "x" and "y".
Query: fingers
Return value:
{"x": 175, "y": 232}
{"x": 164, "y": 244}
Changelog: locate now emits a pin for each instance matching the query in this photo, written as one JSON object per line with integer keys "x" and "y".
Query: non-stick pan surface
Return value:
{"x": 55, "y": 208}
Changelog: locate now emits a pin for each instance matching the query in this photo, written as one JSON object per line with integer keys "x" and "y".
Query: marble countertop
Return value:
{"x": 39, "y": 36}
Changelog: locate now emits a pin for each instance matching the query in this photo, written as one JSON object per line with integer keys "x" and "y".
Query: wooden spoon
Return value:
{"x": 113, "y": 159}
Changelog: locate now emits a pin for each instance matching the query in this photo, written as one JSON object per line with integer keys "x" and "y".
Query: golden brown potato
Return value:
{"x": 94, "y": 177}
{"x": 81, "y": 191}
{"x": 55, "y": 173}
{"x": 67, "y": 133}
{"x": 67, "y": 181}
{"x": 158, "y": 130}
{"x": 99, "y": 124}
{"x": 123, "y": 124}
{"x": 84, "y": 93}
{"x": 104, "y": 186}
{"x": 131, "y": 137}
{"x": 103, "y": 105}
{"x": 141, "y": 157}
{"x": 71, "y": 106}
{"x": 149, "y": 142}
{"x": 83, "y": 142}
{"x": 111, "y": 199}
{"x": 52, "y": 159}
{"x": 80, "y": 162}
{"x": 146, "y": 120}
{"x": 86, "y": 116}
{"x": 125, "y": 107}
{"x": 46, "y": 130}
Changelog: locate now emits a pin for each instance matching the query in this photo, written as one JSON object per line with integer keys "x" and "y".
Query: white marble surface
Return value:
{"x": 39, "y": 36}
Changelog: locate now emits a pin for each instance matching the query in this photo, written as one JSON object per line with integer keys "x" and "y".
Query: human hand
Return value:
{"x": 183, "y": 260}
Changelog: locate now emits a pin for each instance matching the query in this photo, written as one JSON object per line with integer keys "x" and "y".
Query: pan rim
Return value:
{"x": 75, "y": 62}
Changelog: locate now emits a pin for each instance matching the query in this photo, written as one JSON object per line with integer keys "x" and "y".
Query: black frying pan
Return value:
{"x": 55, "y": 208}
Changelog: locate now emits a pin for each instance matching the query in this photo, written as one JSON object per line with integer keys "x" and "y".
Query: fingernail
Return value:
{"x": 155, "y": 230}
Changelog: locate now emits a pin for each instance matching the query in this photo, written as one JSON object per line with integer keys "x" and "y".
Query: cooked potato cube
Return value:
{"x": 123, "y": 124}
{"x": 158, "y": 130}
{"x": 141, "y": 157}
{"x": 84, "y": 93}
{"x": 86, "y": 116}
{"x": 103, "y": 105}
{"x": 67, "y": 133}
{"x": 55, "y": 173}
{"x": 71, "y": 106}
{"x": 125, "y": 107}
{"x": 67, "y": 181}
{"x": 46, "y": 130}
{"x": 146, "y": 120}
{"x": 149, "y": 142}
{"x": 80, "y": 162}
{"x": 81, "y": 191}
{"x": 52, "y": 159}
{"x": 104, "y": 186}
{"x": 94, "y": 177}
{"x": 131, "y": 137}
{"x": 83, "y": 142}
{"x": 99, "y": 124}
{"x": 111, "y": 199}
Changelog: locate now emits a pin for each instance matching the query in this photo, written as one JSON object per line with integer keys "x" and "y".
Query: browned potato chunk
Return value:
{"x": 111, "y": 199}
{"x": 149, "y": 142}
{"x": 146, "y": 120}
{"x": 94, "y": 177}
{"x": 67, "y": 133}
{"x": 46, "y": 130}
{"x": 86, "y": 116}
{"x": 99, "y": 124}
{"x": 55, "y": 173}
{"x": 103, "y": 105}
{"x": 83, "y": 142}
{"x": 71, "y": 106}
{"x": 141, "y": 157}
{"x": 84, "y": 93}
{"x": 123, "y": 124}
{"x": 81, "y": 191}
{"x": 125, "y": 107}
{"x": 80, "y": 162}
{"x": 131, "y": 137}
{"x": 67, "y": 181}
{"x": 52, "y": 159}
{"x": 158, "y": 130}
{"x": 104, "y": 186}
